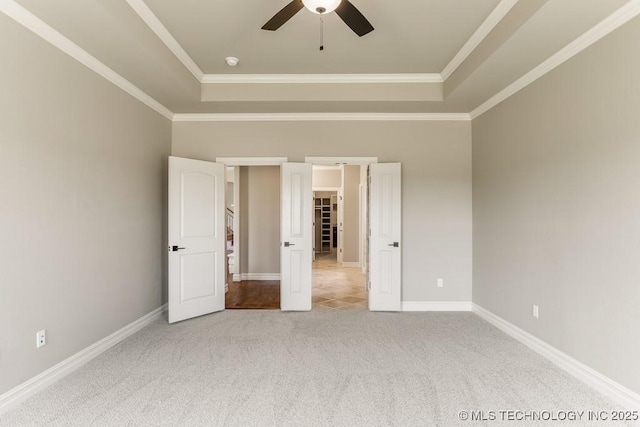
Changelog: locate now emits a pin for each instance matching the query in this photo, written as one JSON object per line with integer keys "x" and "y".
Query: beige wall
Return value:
{"x": 556, "y": 175}
{"x": 82, "y": 206}
{"x": 351, "y": 216}
{"x": 327, "y": 178}
{"x": 436, "y": 187}
{"x": 260, "y": 216}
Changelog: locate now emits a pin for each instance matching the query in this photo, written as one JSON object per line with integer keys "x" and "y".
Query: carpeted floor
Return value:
{"x": 329, "y": 368}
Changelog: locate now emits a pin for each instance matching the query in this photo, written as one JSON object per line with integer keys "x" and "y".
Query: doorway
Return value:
{"x": 253, "y": 240}
{"x": 197, "y": 235}
{"x": 338, "y": 280}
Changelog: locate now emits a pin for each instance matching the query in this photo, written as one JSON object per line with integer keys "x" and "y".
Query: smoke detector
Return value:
{"x": 231, "y": 61}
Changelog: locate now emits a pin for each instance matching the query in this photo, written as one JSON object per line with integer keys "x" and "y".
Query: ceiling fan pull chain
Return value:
{"x": 321, "y": 34}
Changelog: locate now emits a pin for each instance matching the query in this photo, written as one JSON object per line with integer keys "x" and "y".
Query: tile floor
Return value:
{"x": 337, "y": 288}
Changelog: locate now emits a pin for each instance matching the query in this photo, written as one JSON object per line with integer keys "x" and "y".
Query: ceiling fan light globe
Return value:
{"x": 321, "y": 7}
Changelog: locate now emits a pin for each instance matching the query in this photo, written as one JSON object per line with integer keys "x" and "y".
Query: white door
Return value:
{"x": 196, "y": 238}
{"x": 296, "y": 230}
{"x": 384, "y": 243}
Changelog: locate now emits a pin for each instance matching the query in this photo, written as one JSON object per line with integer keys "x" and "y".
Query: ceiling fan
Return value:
{"x": 345, "y": 10}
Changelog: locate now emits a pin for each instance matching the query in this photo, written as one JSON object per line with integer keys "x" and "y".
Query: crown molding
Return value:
{"x": 498, "y": 13}
{"x": 324, "y": 78}
{"x": 600, "y": 30}
{"x": 152, "y": 21}
{"x": 314, "y": 117}
{"x": 49, "y": 34}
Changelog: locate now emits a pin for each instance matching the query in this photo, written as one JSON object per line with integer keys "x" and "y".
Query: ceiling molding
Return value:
{"x": 152, "y": 21}
{"x": 600, "y": 30}
{"x": 49, "y": 34}
{"x": 483, "y": 30}
{"x": 315, "y": 117}
{"x": 324, "y": 78}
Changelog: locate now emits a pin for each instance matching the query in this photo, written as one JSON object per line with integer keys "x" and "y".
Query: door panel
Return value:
{"x": 296, "y": 236}
{"x": 196, "y": 238}
{"x": 197, "y": 201}
{"x": 385, "y": 247}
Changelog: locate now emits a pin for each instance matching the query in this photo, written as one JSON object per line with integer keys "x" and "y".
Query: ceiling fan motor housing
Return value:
{"x": 321, "y": 7}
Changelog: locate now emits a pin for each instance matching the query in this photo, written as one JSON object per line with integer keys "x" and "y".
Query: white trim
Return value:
{"x": 260, "y": 276}
{"x": 323, "y": 78}
{"x": 350, "y": 264}
{"x": 236, "y": 277}
{"x": 252, "y": 161}
{"x": 326, "y": 189}
{"x": 27, "y": 389}
{"x": 603, "y": 28}
{"x": 601, "y": 383}
{"x": 341, "y": 161}
{"x": 498, "y": 13}
{"x": 165, "y": 36}
{"x": 436, "y": 306}
{"x": 314, "y": 117}
{"x": 42, "y": 29}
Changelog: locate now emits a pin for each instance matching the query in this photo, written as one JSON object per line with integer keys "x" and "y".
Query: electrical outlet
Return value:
{"x": 440, "y": 283}
{"x": 41, "y": 338}
{"x": 536, "y": 312}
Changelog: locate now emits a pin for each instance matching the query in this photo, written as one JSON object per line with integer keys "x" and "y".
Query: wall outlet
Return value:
{"x": 41, "y": 338}
{"x": 536, "y": 312}
{"x": 440, "y": 283}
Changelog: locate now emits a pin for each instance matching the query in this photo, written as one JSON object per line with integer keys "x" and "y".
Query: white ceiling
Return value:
{"x": 467, "y": 51}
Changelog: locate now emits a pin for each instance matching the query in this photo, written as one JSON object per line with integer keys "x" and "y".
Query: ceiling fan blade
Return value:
{"x": 283, "y": 16}
{"x": 353, "y": 18}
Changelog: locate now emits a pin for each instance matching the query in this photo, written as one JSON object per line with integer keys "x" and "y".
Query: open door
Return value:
{"x": 385, "y": 256}
{"x": 296, "y": 230}
{"x": 196, "y": 238}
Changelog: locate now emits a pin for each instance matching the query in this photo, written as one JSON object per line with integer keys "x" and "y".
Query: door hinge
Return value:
{"x": 368, "y": 286}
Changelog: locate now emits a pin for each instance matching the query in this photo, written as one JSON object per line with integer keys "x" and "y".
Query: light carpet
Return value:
{"x": 268, "y": 368}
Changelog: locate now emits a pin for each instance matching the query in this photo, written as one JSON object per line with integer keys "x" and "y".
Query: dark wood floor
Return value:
{"x": 254, "y": 295}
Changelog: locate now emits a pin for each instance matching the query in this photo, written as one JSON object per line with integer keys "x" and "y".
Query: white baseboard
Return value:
{"x": 259, "y": 276}
{"x": 27, "y": 389}
{"x": 436, "y": 306}
{"x": 351, "y": 264}
{"x": 601, "y": 383}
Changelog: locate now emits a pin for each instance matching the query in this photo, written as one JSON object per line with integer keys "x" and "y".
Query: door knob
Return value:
{"x": 176, "y": 248}
{"x": 395, "y": 244}
{"x": 287, "y": 244}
